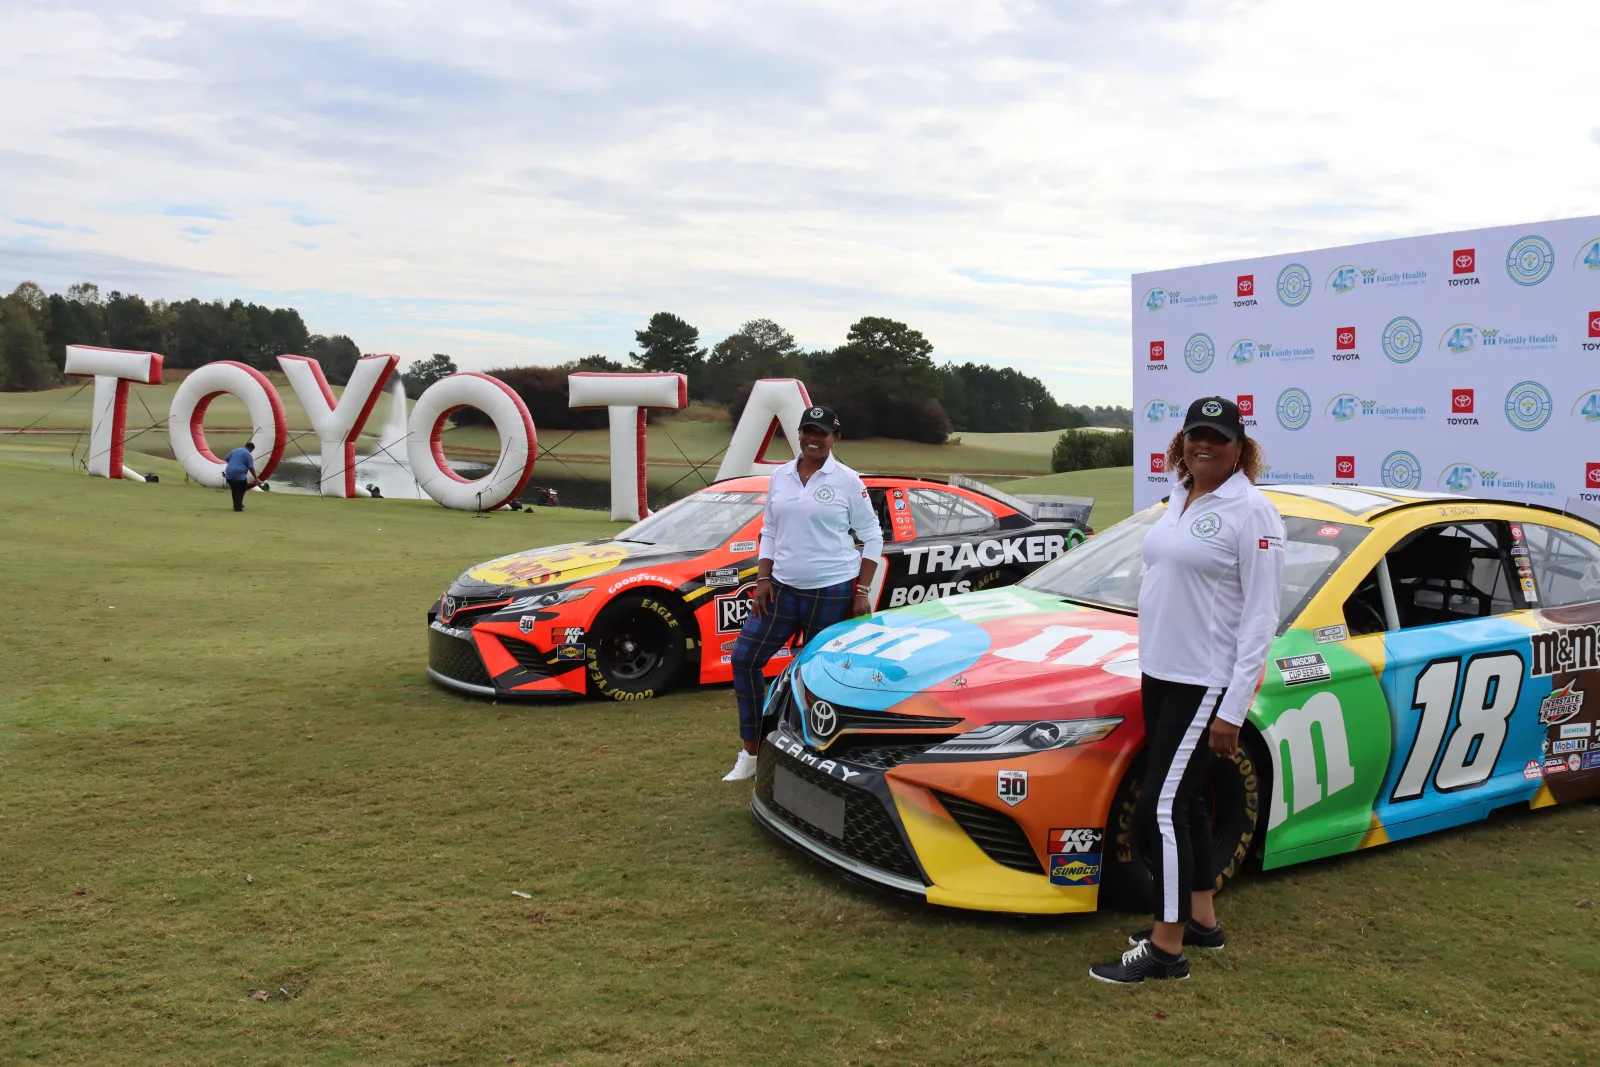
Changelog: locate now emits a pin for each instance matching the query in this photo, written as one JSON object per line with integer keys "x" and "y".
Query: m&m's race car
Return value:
{"x": 626, "y": 617}
{"x": 1434, "y": 662}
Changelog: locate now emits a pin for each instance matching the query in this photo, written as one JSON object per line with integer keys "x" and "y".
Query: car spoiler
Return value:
{"x": 1040, "y": 507}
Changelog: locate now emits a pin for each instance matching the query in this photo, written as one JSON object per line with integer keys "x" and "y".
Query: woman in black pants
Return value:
{"x": 1208, "y": 610}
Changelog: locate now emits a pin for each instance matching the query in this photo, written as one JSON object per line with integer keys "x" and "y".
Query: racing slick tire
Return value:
{"x": 1236, "y": 789}
{"x": 637, "y": 647}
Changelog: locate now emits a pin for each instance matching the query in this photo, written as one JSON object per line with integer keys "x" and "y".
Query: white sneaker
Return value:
{"x": 744, "y": 767}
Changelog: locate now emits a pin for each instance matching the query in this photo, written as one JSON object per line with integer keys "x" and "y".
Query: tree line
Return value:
{"x": 882, "y": 380}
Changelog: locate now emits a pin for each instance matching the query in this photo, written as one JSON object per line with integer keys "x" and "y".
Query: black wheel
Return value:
{"x": 636, "y": 647}
{"x": 1235, "y": 790}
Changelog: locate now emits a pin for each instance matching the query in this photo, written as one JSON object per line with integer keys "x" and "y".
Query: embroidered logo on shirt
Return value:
{"x": 1269, "y": 542}
{"x": 823, "y": 495}
{"x": 1207, "y": 525}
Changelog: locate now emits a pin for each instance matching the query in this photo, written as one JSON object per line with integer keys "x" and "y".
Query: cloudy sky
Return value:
{"x": 529, "y": 182}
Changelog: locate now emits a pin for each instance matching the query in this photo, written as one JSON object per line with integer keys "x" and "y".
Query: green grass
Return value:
{"x": 218, "y": 732}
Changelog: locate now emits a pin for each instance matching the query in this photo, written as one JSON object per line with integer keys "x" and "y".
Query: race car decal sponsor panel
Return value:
{"x": 1328, "y": 739}
{"x": 564, "y": 563}
{"x": 1075, "y": 856}
{"x": 1465, "y": 710}
{"x": 1565, "y": 651}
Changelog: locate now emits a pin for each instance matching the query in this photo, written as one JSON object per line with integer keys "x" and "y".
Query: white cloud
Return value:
{"x": 512, "y": 182}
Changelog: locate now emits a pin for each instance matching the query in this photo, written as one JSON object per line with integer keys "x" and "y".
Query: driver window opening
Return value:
{"x": 1443, "y": 573}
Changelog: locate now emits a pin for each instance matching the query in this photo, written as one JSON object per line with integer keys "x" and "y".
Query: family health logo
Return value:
{"x": 1158, "y": 298}
{"x": 1463, "y": 337}
{"x": 1348, "y": 277}
{"x": 1245, "y": 350}
{"x": 1466, "y": 478}
{"x": 1347, "y": 407}
{"x": 1158, "y": 411}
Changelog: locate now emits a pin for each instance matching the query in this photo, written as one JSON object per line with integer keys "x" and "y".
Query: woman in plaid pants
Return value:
{"x": 810, "y": 574}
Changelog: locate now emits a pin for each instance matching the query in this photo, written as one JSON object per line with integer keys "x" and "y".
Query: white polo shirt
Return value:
{"x": 1208, "y": 604}
{"x": 805, "y": 529}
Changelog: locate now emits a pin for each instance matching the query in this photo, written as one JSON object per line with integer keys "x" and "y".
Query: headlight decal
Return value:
{"x": 1000, "y": 739}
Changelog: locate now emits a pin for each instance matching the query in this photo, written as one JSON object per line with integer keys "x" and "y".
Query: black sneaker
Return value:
{"x": 1193, "y": 935}
{"x": 1138, "y": 964}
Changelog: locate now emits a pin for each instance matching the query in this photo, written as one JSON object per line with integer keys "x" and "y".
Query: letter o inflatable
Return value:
{"x": 425, "y": 447}
{"x": 186, "y": 419}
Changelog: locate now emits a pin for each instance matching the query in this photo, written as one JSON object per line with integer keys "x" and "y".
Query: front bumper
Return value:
{"x": 478, "y": 661}
{"x": 891, "y": 828}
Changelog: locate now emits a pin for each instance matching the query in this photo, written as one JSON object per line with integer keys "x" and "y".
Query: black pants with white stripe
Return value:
{"x": 1174, "y": 818}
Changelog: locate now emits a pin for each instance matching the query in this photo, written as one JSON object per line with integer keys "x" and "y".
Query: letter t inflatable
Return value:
{"x": 626, "y": 396}
{"x": 113, "y": 369}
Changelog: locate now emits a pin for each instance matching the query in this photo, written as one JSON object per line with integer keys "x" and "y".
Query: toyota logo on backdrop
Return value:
{"x": 1465, "y": 261}
{"x": 1591, "y": 474}
{"x": 1158, "y": 463}
{"x": 1158, "y": 351}
{"x": 1461, "y": 400}
{"x": 1247, "y": 285}
{"x": 1594, "y": 324}
{"x": 1345, "y": 338}
{"x": 1344, "y": 467}
{"x": 823, "y": 719}
{"x": 1247, "y": 404}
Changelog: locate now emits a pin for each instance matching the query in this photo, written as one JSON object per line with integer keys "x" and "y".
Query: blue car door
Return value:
{"x": 1463, "y": 706}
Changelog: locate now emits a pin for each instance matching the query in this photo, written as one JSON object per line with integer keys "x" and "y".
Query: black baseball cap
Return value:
{"x": 821, "y": 417}
{"x": 1215, "y": 413}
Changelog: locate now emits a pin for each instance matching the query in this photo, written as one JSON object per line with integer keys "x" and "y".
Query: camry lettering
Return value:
{"x": 790, "y": 746}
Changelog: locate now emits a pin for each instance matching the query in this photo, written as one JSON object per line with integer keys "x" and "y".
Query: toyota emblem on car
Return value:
{"x": 823, "y": 718}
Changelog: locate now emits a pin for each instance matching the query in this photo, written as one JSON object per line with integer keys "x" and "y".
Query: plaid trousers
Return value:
{"x": 806, "y": 611}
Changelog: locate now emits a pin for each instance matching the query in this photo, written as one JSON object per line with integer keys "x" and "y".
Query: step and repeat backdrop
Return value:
{"x": 1464, "y": 362}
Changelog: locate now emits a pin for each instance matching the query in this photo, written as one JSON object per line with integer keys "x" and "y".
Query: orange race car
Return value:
{"x": 628, "y": 616}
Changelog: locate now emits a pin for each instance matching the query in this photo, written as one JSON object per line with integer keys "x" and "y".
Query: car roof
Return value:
{"x": 1366, "y": 503}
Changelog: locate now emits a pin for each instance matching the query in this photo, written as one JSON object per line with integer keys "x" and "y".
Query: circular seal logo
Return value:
{"x": 1294, "y": 409}
{"x": 1528, "y": 405}
{"x": 1211, "y": 409}
{"x": 1401, "y": 470}
{"x": 1199, "y": 353}
{"x": 1294, "y": 285}
{"x": 1402, "y": 339}
{"x": 815, "y": 413}
{"x": 823, "y": 495}
{"x": 822, "y": 719}
{"x": 1206, "y": 526}
{"x": 1530, "y": 260}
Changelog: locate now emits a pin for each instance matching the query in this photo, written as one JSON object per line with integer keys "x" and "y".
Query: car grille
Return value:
{"x": 469, "y": 611}
{"x": 869, "y": 834}
{"x": 864, "y": 719}
{"x": 869, "y": 750}
{"x": 528, "y": 657}
{"x": 457, "y": 658}
{"x": 1001, "y": 839}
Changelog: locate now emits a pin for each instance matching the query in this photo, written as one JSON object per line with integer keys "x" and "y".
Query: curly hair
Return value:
{"x": 1251, "y": 459}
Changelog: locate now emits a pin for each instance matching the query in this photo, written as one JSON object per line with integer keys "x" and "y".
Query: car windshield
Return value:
{"x": 1106, "y": 569}
{"x": 700, "y": 520}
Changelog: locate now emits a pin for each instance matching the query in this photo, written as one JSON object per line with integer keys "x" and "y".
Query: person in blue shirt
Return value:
{"x": 240, "y": 467}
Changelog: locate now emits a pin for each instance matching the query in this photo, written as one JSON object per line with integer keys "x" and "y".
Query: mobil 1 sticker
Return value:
{"x": 1298, "y": 670}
